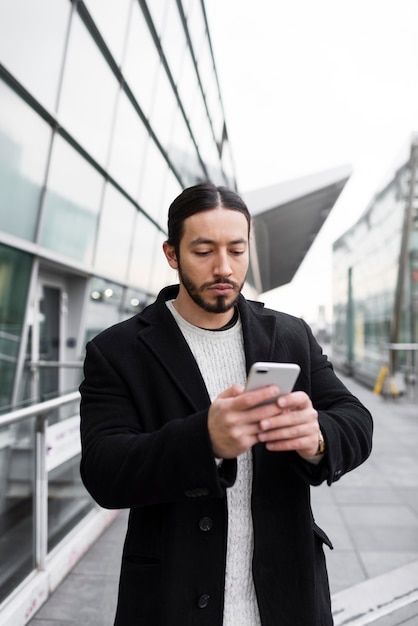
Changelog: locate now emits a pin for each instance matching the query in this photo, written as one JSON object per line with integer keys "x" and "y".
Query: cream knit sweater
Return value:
{"x": 221, "y": 360}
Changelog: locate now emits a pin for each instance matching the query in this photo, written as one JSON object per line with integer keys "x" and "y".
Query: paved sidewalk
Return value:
{"x": 371, "y": 516}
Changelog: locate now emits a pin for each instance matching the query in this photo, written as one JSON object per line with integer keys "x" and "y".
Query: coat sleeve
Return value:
{"x": 122, "y": 465}
{"x": 345, "y": 422}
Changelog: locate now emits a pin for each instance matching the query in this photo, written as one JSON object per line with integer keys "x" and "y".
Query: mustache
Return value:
{"x": 218, "y": 281}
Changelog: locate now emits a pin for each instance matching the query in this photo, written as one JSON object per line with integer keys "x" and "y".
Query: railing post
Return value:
{"x": 41, "y": 493}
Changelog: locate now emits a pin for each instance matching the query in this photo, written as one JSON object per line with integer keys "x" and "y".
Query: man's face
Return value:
{"x": 213, "y": 259}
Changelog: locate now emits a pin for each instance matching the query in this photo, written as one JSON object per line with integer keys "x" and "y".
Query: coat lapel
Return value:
{"x": 264, "y": 337}
{"x": 165, "y": 340}
{"x": 263, "y": 341}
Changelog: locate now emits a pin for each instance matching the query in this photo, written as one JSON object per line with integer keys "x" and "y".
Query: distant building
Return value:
{"x": 375, "y": 283}
{"x": 107, "y": 111}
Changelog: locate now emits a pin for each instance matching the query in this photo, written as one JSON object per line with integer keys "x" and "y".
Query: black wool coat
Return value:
{"x": 145, "y": 446}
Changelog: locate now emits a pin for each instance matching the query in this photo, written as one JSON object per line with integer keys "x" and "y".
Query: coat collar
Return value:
{"x": 165, "y": 340}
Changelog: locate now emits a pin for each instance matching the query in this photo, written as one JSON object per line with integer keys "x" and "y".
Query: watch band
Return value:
{"x": 321, "y": 445}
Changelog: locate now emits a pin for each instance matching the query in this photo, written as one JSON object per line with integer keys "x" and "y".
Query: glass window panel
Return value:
{"x": 152, "y": 178}
{"x": 135, "y": 301}
{"x": 140, "y": 268}
{"x": 196, "y": 27}
{"x": 24, "y": 146}
{"x": 228, "y": 164}
{"x": 188, "y": 84}
{"x": 129, "y": 142}
{"x": 104, "y": 307}
{"x": 17, "y": 461}
{"x": 158, "y": 10}
{"x": 161, "y": 274}
{"x": 30, "y": 48}
{"x": 141, "y": 60}
{"x": 115, "y": 232}
{"x": 163, "y": 107}
{"x": 15, "y": 270}
{"x": 173, "y": 41}
{"x": 71, "y": 204}
{"x": 111, "y": 18}
{"x": 170, "y": 190}
{"x": 88, "y": 93}
{"x": 182, "y": 150}
{"x": 68, "y": 500}
{"x": 215, "y": 107}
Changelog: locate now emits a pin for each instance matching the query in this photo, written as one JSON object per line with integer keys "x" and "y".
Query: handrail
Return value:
{"x": 55, "y": 363}
{"x": 38, "y": 409}
{"x": 400, "y": 346}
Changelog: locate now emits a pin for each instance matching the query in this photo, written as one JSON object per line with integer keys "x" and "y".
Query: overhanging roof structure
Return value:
{"x": 286, "y": 219}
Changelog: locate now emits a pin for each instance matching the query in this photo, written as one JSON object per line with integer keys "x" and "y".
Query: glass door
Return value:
{"x": 46, "y": 335}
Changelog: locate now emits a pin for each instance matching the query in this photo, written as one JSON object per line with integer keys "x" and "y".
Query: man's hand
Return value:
{"x": 234, "y": 419}
{"x": 293, "y": 427}
{"x": 236, "y": 422}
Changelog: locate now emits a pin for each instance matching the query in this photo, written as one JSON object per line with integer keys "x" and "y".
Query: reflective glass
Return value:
{"x": 88, "y": 93}
{"x": 71, "y": 204}
{"x": 152, "y": 180}
{"x": 182, "y": 151}
{"x": 227, "y": 162}
{"x": 170, "y": 189}
{"x": 141, "y": 60}
{"x": 366, "y": 265}
{"x": 111, "y": 18}
{"x": 135, "y": 301}
{"x": 174, "y": 41}
{"x": 115, "y": 234}
{"x": 158, "y": 10}
{"x": 211, "y": 90}
{"x": 163, "y": 107}
{"x": 161, "y": 274}
{"x": 15, "y": 270}
{"x": 188, "y": 84}
{"x": 16, "y": 504}
{"x": 24, "y": 146}
{"x": 128, "y": 146}
{"x": 30, "y": 48}
{"x": 68, "y": 500}
{"x": 196, "y": 26}
{"x": 140, "y": 267}
{"x": 104, "y": 306}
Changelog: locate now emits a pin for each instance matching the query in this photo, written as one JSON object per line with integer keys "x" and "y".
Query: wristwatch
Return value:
{"x": 321, "y": 444}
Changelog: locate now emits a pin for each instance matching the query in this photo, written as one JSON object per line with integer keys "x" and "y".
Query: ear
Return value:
{"x": 170, "y": 255}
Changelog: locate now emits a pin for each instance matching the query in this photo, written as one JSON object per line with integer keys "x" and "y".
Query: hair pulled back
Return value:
{"x": 201, "y": 197}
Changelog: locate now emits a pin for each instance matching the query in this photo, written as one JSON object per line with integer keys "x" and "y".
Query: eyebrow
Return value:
{"x": 204, "y": 240}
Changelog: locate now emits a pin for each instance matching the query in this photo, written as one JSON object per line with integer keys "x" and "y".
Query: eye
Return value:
{"x": 237, "y": 252}
{"x": 202, "y": 252}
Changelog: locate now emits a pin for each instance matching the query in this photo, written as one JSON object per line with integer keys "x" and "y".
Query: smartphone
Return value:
{"x": 283, "y": 375}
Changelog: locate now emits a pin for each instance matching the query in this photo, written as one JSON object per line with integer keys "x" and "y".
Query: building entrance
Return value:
{"x": 54, "y": 354}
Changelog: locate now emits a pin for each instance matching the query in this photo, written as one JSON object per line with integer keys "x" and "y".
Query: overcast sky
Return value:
{"x": 312, "y": 85}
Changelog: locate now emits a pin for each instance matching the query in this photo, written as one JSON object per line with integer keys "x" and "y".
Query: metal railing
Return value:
{"x": 41, "y": 412}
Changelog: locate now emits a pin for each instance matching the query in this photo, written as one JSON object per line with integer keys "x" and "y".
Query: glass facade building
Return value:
{"x": 375, "y": 282}
{"x": 107, "y": 111}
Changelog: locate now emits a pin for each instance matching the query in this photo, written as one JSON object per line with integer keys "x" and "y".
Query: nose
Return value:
{"x": 222, "y": 265}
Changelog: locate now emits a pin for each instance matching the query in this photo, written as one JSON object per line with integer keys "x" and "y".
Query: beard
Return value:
{"x": 222, "y": 304}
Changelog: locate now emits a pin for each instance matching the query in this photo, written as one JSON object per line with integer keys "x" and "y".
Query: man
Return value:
{"x": 220, "y": 529}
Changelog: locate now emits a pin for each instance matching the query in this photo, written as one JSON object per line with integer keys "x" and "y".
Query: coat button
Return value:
{"x": 205, "y": 524}
{"x": 203, "y": 601}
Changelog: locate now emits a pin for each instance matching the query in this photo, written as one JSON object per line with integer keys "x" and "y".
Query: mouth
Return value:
{"x": 221, "y": 289}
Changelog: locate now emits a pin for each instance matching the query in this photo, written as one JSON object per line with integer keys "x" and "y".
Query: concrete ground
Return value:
{"x": 370, "y": 515}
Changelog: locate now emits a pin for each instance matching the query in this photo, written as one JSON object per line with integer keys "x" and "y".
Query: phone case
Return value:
{"x": 283, "y": 375}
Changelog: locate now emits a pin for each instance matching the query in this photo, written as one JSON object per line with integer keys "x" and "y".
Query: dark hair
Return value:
{"x": 202, "y": 197}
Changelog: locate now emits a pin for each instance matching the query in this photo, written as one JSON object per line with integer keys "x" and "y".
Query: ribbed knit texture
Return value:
{"x": 221, "y": 360}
